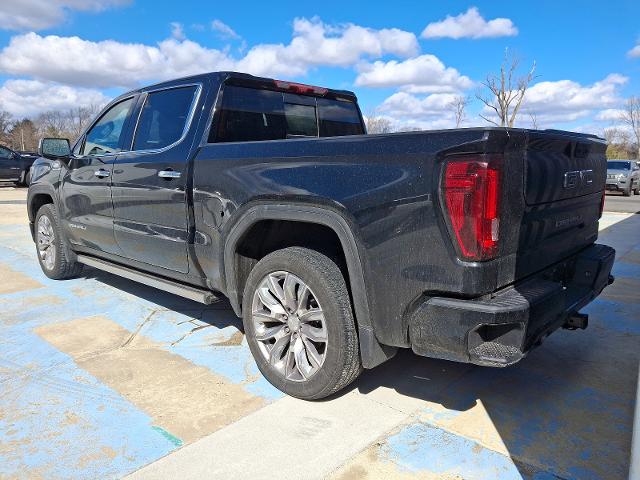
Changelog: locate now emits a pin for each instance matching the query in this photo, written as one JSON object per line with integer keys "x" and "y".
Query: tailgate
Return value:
{"x": 564, "y": 183}
{"x": 559, "y": 167}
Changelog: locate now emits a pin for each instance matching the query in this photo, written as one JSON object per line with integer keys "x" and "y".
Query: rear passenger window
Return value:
{"x": 249, "y": 114}
{"x": 163, "y": 118}
{"x": 338, "y": 118}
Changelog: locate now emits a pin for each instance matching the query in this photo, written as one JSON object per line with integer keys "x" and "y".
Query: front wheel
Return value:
{"x": 299, "y": 324}
{"x": 627, "y": 191}
{"x": 21, "y": 180}
{"x": 52, "y": 247}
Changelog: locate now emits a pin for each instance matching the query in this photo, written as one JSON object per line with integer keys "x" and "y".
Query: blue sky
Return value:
{"x": 584, "y": 52}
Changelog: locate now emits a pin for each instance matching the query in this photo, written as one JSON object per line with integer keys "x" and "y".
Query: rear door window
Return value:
{"x": 163, "y": 118}
{"x": 249, "y": 114}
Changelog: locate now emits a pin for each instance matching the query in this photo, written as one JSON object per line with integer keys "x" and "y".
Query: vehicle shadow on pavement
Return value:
{"x": 564, "y": 410}
{"x": 169, "y": 301}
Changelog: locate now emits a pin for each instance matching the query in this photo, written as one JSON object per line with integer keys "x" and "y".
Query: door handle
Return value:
{"x": 101, "y": 173}
{"x": 169, "y": 174}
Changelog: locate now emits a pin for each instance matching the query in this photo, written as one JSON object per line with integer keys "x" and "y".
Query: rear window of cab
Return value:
{"x": 249, "y": 114}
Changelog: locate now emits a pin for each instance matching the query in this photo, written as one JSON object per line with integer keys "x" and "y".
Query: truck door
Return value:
{"x": 86, "y": 184}
{"x": 149, "y": 182}
{"x": 9, "y": 165}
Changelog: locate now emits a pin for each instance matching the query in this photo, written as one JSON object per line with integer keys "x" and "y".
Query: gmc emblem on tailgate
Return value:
{"x": 578, "y": 178}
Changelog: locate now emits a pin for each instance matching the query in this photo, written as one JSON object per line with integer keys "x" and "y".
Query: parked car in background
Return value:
{"x": 623, "y": 176}
{"x": 16, "y": 166}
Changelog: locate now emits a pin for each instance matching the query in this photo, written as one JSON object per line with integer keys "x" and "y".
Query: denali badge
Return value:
{"x": 578, "y": 178}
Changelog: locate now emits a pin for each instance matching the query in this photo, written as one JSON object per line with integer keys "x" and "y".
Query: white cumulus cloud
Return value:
{"x": 41, "y": 14}
{"x": 562, "y": 101}
{"x": 109, "y": 63}
{"x": 470, "y": 25}
{"x": 411, "y": 112}
{"x": 402, "y": 104}
{"x": 422, "y": 74}
{"x": 224, "y": 31}
{"x": 609, "y": 115}
{"x": 634, "y": 52}
{"x": 567, "y": 100}
{"x": 28, "y": 98}
{"x": 177, "y": 31}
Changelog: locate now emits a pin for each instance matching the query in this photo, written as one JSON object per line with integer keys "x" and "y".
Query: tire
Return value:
{"x": 627, "y": 192}
{"x": 21, "y": 181}
{"x": 52, "y": 248}
{"x": 27, "y": 178}
{"x": 325, "y": 315}
{"x": 636, "y": 190}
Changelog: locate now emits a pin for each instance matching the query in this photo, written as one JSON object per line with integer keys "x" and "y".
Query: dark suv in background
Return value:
{"x": 15, "y": 166}
{"x": 623, "y": 176}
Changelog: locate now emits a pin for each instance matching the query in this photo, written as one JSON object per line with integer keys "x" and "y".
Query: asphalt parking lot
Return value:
{"x": 615, "y": 202}
{"x": 101, "y": 377}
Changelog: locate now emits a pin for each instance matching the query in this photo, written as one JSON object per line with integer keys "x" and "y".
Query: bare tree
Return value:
{"x": 459, "y": 105}
{"x": 53, "y": 124}
{"x": 506, "y": 91}
{"x": 377, "y": 124}
{"x": 79, "y": 118}
{"x": 24, "y": 136}
{"x": 5, "y": 125}
{"x": 631, "y": 118}
{"x": 619, "y": 143}
{"x": 534, "y": 120}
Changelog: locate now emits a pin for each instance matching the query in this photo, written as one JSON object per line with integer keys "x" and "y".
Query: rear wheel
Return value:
{"x": 299, "y": 323}
{"x": 52, "y": 247}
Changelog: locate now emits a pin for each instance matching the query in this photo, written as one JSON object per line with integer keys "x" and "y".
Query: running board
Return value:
{"x": 193, "y": 293}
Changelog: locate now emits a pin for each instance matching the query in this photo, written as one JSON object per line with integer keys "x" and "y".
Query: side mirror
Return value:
{"x": 54, "y": 148}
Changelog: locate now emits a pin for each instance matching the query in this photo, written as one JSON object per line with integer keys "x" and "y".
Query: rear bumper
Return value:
{"x": 500, "y": 329}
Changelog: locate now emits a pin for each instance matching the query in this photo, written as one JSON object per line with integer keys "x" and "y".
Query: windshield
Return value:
{"x": 618, "y": 165}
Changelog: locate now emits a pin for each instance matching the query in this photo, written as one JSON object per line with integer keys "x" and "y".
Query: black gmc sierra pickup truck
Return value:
{"x": 336, "y": 247}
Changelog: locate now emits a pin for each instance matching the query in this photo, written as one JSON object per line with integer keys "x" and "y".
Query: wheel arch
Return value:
{"x": 372, "y": 352}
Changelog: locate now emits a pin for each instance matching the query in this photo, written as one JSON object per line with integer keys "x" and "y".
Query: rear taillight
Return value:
{"x": 471, "y": 189}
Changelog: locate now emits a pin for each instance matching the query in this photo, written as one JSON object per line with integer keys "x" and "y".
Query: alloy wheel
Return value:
{"x": 46, "y": 242}
{"x": 289, "y": 326}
